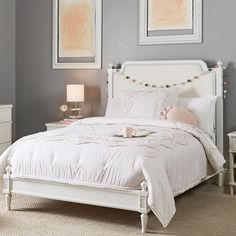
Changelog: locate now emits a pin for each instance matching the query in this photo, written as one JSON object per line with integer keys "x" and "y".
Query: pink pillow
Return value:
{"x": 180, "y": 114}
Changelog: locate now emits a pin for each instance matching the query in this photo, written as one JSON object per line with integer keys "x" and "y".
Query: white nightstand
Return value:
{"x": 5, "y": 127}
{"x": 232, "y": 162}
{"x": 56, "y": 125}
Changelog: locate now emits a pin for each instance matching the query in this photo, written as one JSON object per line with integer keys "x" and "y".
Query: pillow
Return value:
{"x": 148, "y": 103}
{"x": 114, "y": 108}
{"x": 203, "y": 109}
{"x": 180, "y": 114}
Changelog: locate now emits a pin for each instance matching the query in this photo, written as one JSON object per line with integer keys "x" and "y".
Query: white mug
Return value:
{"x": 128, "y": 132}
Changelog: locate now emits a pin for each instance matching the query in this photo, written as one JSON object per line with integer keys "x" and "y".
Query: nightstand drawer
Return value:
{"x": 3, "y": 147}
{"x": 5, "y": 115}
{"x": 5, "y": 133}
{"x": 232, "y": 143}
{"x": 53, "y": 127}
{"x": 56, "y": 125}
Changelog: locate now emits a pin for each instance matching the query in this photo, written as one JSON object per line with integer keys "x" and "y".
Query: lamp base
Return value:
{"x": 75, "y": 113}
{"x": 75, "y": 109}
{"x": 75, "y": 117}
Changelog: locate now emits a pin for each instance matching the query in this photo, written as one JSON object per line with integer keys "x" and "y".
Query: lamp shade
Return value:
{"x": 75, "y": 93}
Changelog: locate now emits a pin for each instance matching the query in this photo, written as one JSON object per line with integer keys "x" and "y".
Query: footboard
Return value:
{"x": 132, "y": 200}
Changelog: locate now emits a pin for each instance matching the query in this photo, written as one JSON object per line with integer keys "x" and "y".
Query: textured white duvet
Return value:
{"x": 170, "y": 160}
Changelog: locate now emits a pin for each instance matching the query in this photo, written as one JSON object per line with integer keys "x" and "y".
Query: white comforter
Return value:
{"x": 87, "y": 152}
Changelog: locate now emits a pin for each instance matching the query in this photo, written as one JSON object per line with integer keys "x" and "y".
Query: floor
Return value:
{"x": 205, "y": 210}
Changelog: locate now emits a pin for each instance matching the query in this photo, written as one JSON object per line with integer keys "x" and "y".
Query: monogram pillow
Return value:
{"x": 148, "y": 103}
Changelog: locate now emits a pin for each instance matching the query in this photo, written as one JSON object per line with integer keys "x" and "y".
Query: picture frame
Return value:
{"x": 165, "y": 33}
{"x": 72, "y": 48}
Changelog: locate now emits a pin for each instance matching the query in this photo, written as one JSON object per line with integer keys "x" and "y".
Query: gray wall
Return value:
{"x": 7, "y": 51}
{"x": 40, "y": 90}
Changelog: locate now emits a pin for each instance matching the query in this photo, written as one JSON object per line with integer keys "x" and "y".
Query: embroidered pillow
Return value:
{"x": 114, "y": 108}
{"x": 148, "y": 103}
{"x": 180, "y": 114}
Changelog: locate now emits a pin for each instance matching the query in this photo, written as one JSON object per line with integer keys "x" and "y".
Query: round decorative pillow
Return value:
{"x": 180, "y": 114}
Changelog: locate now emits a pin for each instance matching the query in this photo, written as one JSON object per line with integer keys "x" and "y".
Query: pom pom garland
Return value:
{"x": 164, "y": 86}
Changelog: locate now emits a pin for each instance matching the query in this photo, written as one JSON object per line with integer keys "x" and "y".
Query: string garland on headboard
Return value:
{"x": 197, "y": 77}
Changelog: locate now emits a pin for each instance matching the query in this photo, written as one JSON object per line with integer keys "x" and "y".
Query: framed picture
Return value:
{"x": 77, "y": 34}
{"x": 170, "y": 21}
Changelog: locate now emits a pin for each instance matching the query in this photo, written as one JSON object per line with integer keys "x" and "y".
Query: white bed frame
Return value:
{"x": 163, "y": 72}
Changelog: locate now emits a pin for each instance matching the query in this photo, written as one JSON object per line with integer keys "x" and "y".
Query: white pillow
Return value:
{"x": 148, "y": 103}
{"x": 114, "y": 108}
{"x": 204, "y": 110}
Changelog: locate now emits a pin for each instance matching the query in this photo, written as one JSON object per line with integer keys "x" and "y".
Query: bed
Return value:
{"x": 137, "y": 181}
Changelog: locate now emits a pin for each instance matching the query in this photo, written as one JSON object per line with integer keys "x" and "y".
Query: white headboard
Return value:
{"x": 136, "y": 75}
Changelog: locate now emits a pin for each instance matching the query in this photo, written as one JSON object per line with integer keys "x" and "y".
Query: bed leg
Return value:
{"x": 144, "y": 220}
{"x": 8, "y": 202}
{"x": 144, "y": 209}
{"x": 7, "y": 188}
{"x": 221, "y": 179}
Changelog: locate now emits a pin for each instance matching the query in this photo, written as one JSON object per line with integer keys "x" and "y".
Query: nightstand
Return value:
{"x": 232, "y": 162}
{"x": 56, "y": 125}
{"x": 5, "y": 127}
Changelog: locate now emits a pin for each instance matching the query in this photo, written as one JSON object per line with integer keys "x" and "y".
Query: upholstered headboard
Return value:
{"x": 193, "y": 77}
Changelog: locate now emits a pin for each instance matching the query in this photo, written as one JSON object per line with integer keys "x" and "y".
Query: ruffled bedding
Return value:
{"x": 171, "y": 159}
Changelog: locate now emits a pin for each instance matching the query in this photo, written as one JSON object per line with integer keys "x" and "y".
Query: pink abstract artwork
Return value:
{"x": 170, "y": 14}
{"x": 76, "y": 28}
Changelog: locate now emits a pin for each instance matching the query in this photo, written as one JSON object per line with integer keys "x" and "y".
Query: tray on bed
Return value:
{"x": 139, "y": 134}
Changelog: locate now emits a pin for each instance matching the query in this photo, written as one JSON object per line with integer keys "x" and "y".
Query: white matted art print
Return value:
{"x": 170, "y": 21}
{"x": 77, "y": 34}
{"x": 76, "y": 29}
{"x": 169, "y": 14}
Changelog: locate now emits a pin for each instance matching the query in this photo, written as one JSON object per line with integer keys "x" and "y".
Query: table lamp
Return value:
{"x": 75, "y": 94}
